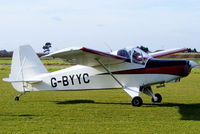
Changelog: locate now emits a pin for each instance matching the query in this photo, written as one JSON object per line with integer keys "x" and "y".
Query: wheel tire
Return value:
{"x": 16, "y": 98}
{"x": 137, "y": 101}
{"x": 159, "y": 98}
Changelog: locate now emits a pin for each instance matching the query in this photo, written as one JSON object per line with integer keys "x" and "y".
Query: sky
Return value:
{"x": 100, "y": 24}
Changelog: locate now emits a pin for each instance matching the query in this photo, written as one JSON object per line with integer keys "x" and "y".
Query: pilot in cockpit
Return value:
{"x": 135, "y": 55}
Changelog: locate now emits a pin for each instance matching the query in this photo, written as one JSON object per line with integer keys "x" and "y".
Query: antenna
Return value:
{"x": 110, "y": 49}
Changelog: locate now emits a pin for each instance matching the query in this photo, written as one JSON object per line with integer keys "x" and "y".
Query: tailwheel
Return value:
{"x": 159, "y": 98}
{"x": 137, "y": 101}
{"x": 17, "y": 98}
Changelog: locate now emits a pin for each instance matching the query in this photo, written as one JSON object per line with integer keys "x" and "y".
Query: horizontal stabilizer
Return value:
{"x": 15, "y": 81}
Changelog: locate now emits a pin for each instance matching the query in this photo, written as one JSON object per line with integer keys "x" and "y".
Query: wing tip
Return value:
{"x": 168, "y": 52}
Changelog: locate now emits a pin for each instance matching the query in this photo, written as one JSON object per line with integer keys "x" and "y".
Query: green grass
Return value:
{"x": 51, "y": 65}
{"x": 49, "y": 68}
{"x": 101, "y": 111}
{"x": 54, "y": 62}
{"x": 7, "y": 61}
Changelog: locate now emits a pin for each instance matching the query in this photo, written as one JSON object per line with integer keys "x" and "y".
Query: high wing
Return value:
{"x": 86, "y": 56}
{"x": 167, "y": 52}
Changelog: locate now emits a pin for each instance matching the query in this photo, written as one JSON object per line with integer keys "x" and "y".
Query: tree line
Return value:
{"x": 48, "y": 45}
{"x": 146, "y": 49}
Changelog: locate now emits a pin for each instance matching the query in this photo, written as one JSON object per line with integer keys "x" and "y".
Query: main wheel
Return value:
{"x": 137, "y": 101}
{"x": 17, "y": 98}
{"x": 159, "y": 98}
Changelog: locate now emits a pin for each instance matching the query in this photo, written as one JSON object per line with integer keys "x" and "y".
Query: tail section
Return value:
{"x": 25, "y": 66}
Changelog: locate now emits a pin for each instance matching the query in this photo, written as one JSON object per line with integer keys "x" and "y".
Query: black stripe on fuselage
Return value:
{"x": 155, "y": 63}
{"x": 159, "y": 66}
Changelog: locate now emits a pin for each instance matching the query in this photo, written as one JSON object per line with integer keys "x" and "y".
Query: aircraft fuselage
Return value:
{"x": 83, "y": 77}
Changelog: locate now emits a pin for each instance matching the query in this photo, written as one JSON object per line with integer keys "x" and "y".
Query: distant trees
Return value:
{"x": 192, "y": 50}
{"x": 146, "y": 49}
{"x": 47, "y": 47}
{"x": 5, "y": 53}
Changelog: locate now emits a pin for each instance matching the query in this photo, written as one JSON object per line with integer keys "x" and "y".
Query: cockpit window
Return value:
{"x": 123, "y": 53}
{"x": 139, "y": 56}
{"x": 135, "y": 55}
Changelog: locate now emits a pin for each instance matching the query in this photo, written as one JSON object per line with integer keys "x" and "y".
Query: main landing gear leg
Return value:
{"x": 135, "y": 94}
{"x": 155, "y": 97}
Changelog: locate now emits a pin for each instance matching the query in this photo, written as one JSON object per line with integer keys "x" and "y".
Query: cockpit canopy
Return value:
{"x": 135, "y": 55}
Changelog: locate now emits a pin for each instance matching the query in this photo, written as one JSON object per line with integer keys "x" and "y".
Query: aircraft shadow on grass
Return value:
{"x": 188, "y": 111}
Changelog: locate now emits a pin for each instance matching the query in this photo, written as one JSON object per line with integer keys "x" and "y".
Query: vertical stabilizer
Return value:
{"x": 25, "y": 66}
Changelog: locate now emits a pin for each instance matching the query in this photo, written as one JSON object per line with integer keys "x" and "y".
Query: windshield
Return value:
{"x": 135, "y": 55}
{"x": 139, "y": 56}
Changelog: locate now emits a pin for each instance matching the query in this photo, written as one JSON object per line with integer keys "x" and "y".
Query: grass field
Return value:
{"x": 102, "y": 112}
{"x": 7, "y": 61}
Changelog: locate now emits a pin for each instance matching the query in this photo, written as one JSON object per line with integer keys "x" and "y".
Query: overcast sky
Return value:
{"x": 157, "y": 24}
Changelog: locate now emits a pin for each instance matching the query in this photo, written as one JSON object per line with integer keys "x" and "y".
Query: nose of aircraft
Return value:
{"x": 174, "y": 67}
{"x": 192, "y": 64}
{"x": 188, "y": 67}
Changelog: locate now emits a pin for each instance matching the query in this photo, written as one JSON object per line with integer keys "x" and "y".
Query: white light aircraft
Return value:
{"x": 130, "y": 69}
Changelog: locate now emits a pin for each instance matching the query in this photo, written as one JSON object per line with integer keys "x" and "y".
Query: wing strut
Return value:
{"x": 110, "y": 73}
{"x": 132, "y": 91}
